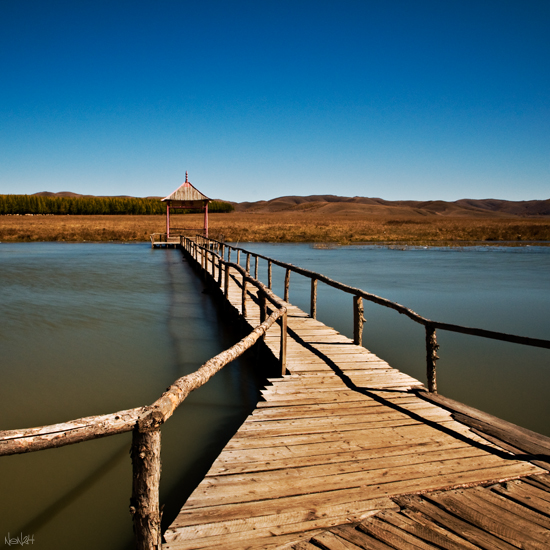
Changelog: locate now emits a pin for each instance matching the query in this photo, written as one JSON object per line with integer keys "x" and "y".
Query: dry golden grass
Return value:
{"x": 283, "y": 227}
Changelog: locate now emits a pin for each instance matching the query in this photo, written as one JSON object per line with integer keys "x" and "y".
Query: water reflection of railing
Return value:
{"x": 145, "y": 422}
{"x": 358, "y": 319}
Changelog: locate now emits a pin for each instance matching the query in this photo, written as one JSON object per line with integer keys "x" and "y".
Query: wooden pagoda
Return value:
{"x": 185, "y": 197}
{"x": 189, "y": 198}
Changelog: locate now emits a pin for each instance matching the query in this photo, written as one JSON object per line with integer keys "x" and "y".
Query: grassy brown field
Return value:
{"x": 286, "y": 226}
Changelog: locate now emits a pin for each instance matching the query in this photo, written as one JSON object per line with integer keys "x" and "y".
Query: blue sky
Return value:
{"x": 399, "y": 99}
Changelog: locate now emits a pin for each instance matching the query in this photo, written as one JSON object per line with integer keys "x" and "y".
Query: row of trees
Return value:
{"x": 33, "y": 204}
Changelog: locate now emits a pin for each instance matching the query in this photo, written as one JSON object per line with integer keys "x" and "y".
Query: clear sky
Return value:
{"x": 399, "y": 99}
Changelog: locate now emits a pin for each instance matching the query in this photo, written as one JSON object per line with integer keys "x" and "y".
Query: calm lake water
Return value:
{"x": 95, "y": 328}
{"x": 90, "y": 329}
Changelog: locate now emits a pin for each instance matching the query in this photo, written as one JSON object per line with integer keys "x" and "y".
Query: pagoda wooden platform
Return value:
{"x": 161, "y": 240}
{"x": 344, "y": 452}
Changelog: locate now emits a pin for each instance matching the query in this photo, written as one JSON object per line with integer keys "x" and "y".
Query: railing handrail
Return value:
{"x": 484, "y": 333}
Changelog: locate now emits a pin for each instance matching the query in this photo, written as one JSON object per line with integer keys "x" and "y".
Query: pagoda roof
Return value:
{"x": 186, "y": 192}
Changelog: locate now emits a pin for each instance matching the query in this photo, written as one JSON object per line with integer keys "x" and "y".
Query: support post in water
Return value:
{"x": 282, "y": 354}
{"x": 144, "y": 505}
{"x": 358, "y": 320}
{"x": 431, "y": 357}
{"x": 313, "y": 300}
{"x": 269, "y": 270}
{"x": 287, "y": 284}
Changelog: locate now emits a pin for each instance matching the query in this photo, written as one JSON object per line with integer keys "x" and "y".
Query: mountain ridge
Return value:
{"x": 341, "y": 205}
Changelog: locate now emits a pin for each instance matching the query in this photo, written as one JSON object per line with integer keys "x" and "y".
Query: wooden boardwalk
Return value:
{"x": 328, "y": 458}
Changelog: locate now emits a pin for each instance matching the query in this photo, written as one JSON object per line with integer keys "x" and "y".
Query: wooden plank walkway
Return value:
{"x": 334, "y": 439}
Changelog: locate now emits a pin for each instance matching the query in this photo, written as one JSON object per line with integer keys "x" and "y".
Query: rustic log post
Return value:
{"x": 269, "y": 270}
{"x": 256, "y": 267}
{"x": 248, "y": 263}
{"x": 282, "y": 354}
{"x": 358, "y": 320}
{"x": 431, "y": 357}
{"x": 244, "y": 297}
{"x": 262, "y": 302}
{"x": 313, "y": 300}
{"x": 223, "y": 252}
{"x": 238, "y": 256}
{"x": 229, "y": 254}
{"x": 287, "y": 284}
{"x": 226, "y": 281}
{"x": 144, "y": 504}
{"x": 263, "y": 307}
{"x": 220, "y": 266}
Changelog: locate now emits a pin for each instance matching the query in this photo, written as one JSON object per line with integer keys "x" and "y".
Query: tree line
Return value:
{"x": 36, "y": 204}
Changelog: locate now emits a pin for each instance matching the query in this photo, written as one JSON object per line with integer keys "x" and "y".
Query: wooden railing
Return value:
{"x": 145, "y": 422}
{"x": 358, "y": 319}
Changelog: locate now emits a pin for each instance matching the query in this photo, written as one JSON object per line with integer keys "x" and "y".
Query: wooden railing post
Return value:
{"x": 229, "y": 254}
{"x": 263, "y": 307}
{"x": 256, "y": 268}
{"x": 431, "y": 357}
{"x": 244, "y": 297}
{"x": 287, "y": 284}
{"x": 282, "y": 354}
{"x": 144, "y": 504}
{"x": 223, "y": 252}
{"x": 313, "y": 299}
{"x": 238, "y": 257}
{"x": 269, "y": 271}
{"x": 220, "y": 269}
{"x": 226, "y": 280}
{"x": 358, "y": 320}
{"x": 248, "y": 263}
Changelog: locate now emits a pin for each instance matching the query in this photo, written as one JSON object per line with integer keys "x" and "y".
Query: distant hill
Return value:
{"x": 332, "y": 204}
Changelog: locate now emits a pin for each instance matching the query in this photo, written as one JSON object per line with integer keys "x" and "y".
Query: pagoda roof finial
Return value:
{"x": 186, "y": 177}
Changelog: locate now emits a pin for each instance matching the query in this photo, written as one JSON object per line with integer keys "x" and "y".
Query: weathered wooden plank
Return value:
{"x": 518, "y": 493}
{"x": 264, "y": 540}
{"x": 424, "y": 528}
{"x": 255, "y": 487}
{"x": 311, "y": 450}
{"x": 330, "y": 541}
{"x": 285, "y": 521}
{"x": 473, "y": 534}
{"x": 342, "y": 467}
{"x": 349, "y": 533}
{"x": 505, "y": 526}
{"x": 507, "y": 505}
{"x": 393, "y": 536}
